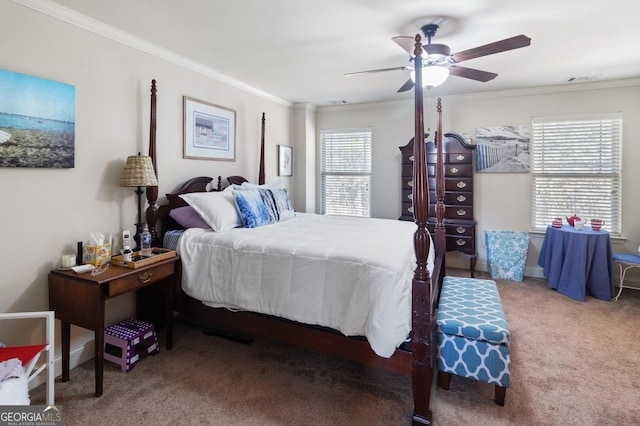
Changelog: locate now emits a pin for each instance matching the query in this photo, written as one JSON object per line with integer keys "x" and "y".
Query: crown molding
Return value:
{"x": 542, "y": 90}
{"x": 305, "y": 106}
{"x": 87, "y": 23}
{"x": 79, "y": 20}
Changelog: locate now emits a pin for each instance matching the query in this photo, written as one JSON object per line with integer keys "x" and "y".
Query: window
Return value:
{"x": 576, "y": 169}
{"x": 346, "y": 172}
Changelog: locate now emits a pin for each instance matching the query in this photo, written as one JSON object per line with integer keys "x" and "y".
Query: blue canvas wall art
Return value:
{"x": 37, "y": 122}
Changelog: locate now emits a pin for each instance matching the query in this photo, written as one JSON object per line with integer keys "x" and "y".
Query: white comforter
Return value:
{"x": 350, "y": 274}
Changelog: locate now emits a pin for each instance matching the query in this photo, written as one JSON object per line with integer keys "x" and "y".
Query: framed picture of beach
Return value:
{"x": 503, "y": 149}
{"x": 37, "y": 122}
{"x": 209, "y": 131}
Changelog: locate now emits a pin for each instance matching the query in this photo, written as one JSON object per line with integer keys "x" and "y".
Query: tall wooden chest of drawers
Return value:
{"x": 458, "y": 197}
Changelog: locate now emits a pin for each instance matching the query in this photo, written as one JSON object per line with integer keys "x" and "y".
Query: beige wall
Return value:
{"x": 46, "y": 211}
{"x": 502, "y": 201}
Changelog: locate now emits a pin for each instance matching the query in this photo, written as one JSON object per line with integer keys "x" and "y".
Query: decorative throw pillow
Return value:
{"x": 283, "y": 203}
{"x": 188, "y": 217}
{"x": 217, "y": 209}
{"x": 255, "y": 206}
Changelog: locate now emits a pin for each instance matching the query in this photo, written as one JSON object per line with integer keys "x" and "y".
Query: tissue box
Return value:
{"x": 96, "y": 255}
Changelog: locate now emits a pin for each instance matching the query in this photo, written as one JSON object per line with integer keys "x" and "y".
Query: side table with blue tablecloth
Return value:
{"x": 578, "y": 262}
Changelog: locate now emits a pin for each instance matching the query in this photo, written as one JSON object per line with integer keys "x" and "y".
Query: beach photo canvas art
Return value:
{"x": 37, "y": 122}
{"x": 503, "y": 149}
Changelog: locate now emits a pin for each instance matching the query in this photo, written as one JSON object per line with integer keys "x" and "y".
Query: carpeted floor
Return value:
{"x": 573, "y": 363}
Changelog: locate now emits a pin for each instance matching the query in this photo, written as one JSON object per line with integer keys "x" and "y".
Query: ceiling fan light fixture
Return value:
{"x": 432, "y": 75}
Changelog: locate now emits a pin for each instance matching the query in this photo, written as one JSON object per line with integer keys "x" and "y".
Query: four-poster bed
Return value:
{"x": 417, "y": 362}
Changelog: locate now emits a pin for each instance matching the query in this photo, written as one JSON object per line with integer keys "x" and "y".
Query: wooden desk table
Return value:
{"x": 79, "y": 299}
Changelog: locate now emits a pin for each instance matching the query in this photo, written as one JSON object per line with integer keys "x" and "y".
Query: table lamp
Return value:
{"x": 138, "y": 172}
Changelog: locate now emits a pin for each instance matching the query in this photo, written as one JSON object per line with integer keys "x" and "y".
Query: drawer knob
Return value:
{"x": 461, "y": 212}
{"x": 461, "y": 184}
{"x": 460, "y": 230}
{"x": 460, "y": 157}
{"x": 410, "y": 209}
{"x": 145, "y": 277}
{"x": 461, "y": 242}
{"x": 410, "y": 184}
{"x": 411, "y": 158}
{"x": 410, "y": 196}
{"x": 454, "y": 170}
{"x": 461, "y": 198}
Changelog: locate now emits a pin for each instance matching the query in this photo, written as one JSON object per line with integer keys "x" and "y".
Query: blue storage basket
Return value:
{"x": 506, "y": 254}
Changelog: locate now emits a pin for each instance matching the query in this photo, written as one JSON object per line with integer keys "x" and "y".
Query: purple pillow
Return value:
{"x": 188, "y": 217}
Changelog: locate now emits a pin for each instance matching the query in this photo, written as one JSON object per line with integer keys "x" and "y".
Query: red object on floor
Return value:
{"x": 23, "y": 353}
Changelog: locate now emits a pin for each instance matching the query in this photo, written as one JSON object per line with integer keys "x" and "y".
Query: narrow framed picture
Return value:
{"x": 285, "y": 160}
{"x": 209, "y": 131}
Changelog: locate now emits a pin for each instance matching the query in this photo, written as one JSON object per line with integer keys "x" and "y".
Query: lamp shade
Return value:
{"x": 138, "y": 171}
{"x": 432, "y": 75}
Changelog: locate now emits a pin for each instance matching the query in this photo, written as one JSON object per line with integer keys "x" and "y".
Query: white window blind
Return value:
{"x": 346, "y": 172}
{"x": 576, "y": 169}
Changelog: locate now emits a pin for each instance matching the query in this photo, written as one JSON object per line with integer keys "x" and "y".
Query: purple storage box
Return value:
{"x": 128, "y": 341}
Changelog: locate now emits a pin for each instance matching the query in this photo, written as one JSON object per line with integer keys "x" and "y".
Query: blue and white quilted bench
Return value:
{"x": 473, "y": 340}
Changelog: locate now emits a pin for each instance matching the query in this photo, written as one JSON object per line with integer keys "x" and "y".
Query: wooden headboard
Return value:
{"x": 154, "y": 214}
{"x": 197, "y": 184}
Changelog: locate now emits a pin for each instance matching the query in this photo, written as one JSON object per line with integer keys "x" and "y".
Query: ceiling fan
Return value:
{"x": 437, "y": 58}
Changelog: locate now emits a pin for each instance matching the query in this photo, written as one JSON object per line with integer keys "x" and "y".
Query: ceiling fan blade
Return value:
{"x": 349, "y": 74}
{"x": 406, "y": 43}
{"x": 406, "y": 86}
{"x": 471, "y": 73}
{"x": 491, "y": 48}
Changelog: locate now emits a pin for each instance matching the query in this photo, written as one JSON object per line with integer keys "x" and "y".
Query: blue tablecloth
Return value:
{"x": 578, "y": 262}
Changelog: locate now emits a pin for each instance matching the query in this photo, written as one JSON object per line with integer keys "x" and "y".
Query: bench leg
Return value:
{"x": 501, "y": 392}
{"x": 444, "y": 379}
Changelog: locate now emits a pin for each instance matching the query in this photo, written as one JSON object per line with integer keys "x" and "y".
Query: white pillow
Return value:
{"x": 218, "y": 209}
{"x": 270, "y": 185}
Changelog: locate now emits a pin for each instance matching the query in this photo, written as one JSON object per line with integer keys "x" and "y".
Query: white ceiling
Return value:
{"x": 298, "y": 50}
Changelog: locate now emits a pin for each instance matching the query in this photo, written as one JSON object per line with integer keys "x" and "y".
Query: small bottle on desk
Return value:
{"x": 145, "y": 241}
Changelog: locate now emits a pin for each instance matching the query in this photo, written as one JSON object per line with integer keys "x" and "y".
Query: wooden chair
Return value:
{"x": 30, "y": 355}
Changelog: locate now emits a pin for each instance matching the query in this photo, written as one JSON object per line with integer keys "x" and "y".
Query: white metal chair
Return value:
{"x": 29, "y": 355}
{"x": 625, "y": 262}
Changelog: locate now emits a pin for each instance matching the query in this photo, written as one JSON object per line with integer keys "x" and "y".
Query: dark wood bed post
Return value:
{"x": 418, "y": 363}
{"x": 421, "y": 294}
{"x": 440, "y": 230}
{"x": 261, "y": 170}
{"x": 152, "y": 191}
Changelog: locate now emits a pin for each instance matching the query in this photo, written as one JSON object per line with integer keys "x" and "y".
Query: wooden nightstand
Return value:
{"x": 79, "y": 299}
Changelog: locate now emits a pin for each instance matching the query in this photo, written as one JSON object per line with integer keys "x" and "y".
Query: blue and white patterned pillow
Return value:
{"x": 255, "y": 206}
{"x": 283, "y": 203}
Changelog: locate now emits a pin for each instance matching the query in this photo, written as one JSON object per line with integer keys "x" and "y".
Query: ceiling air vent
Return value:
{"x": 582, "y": 78}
